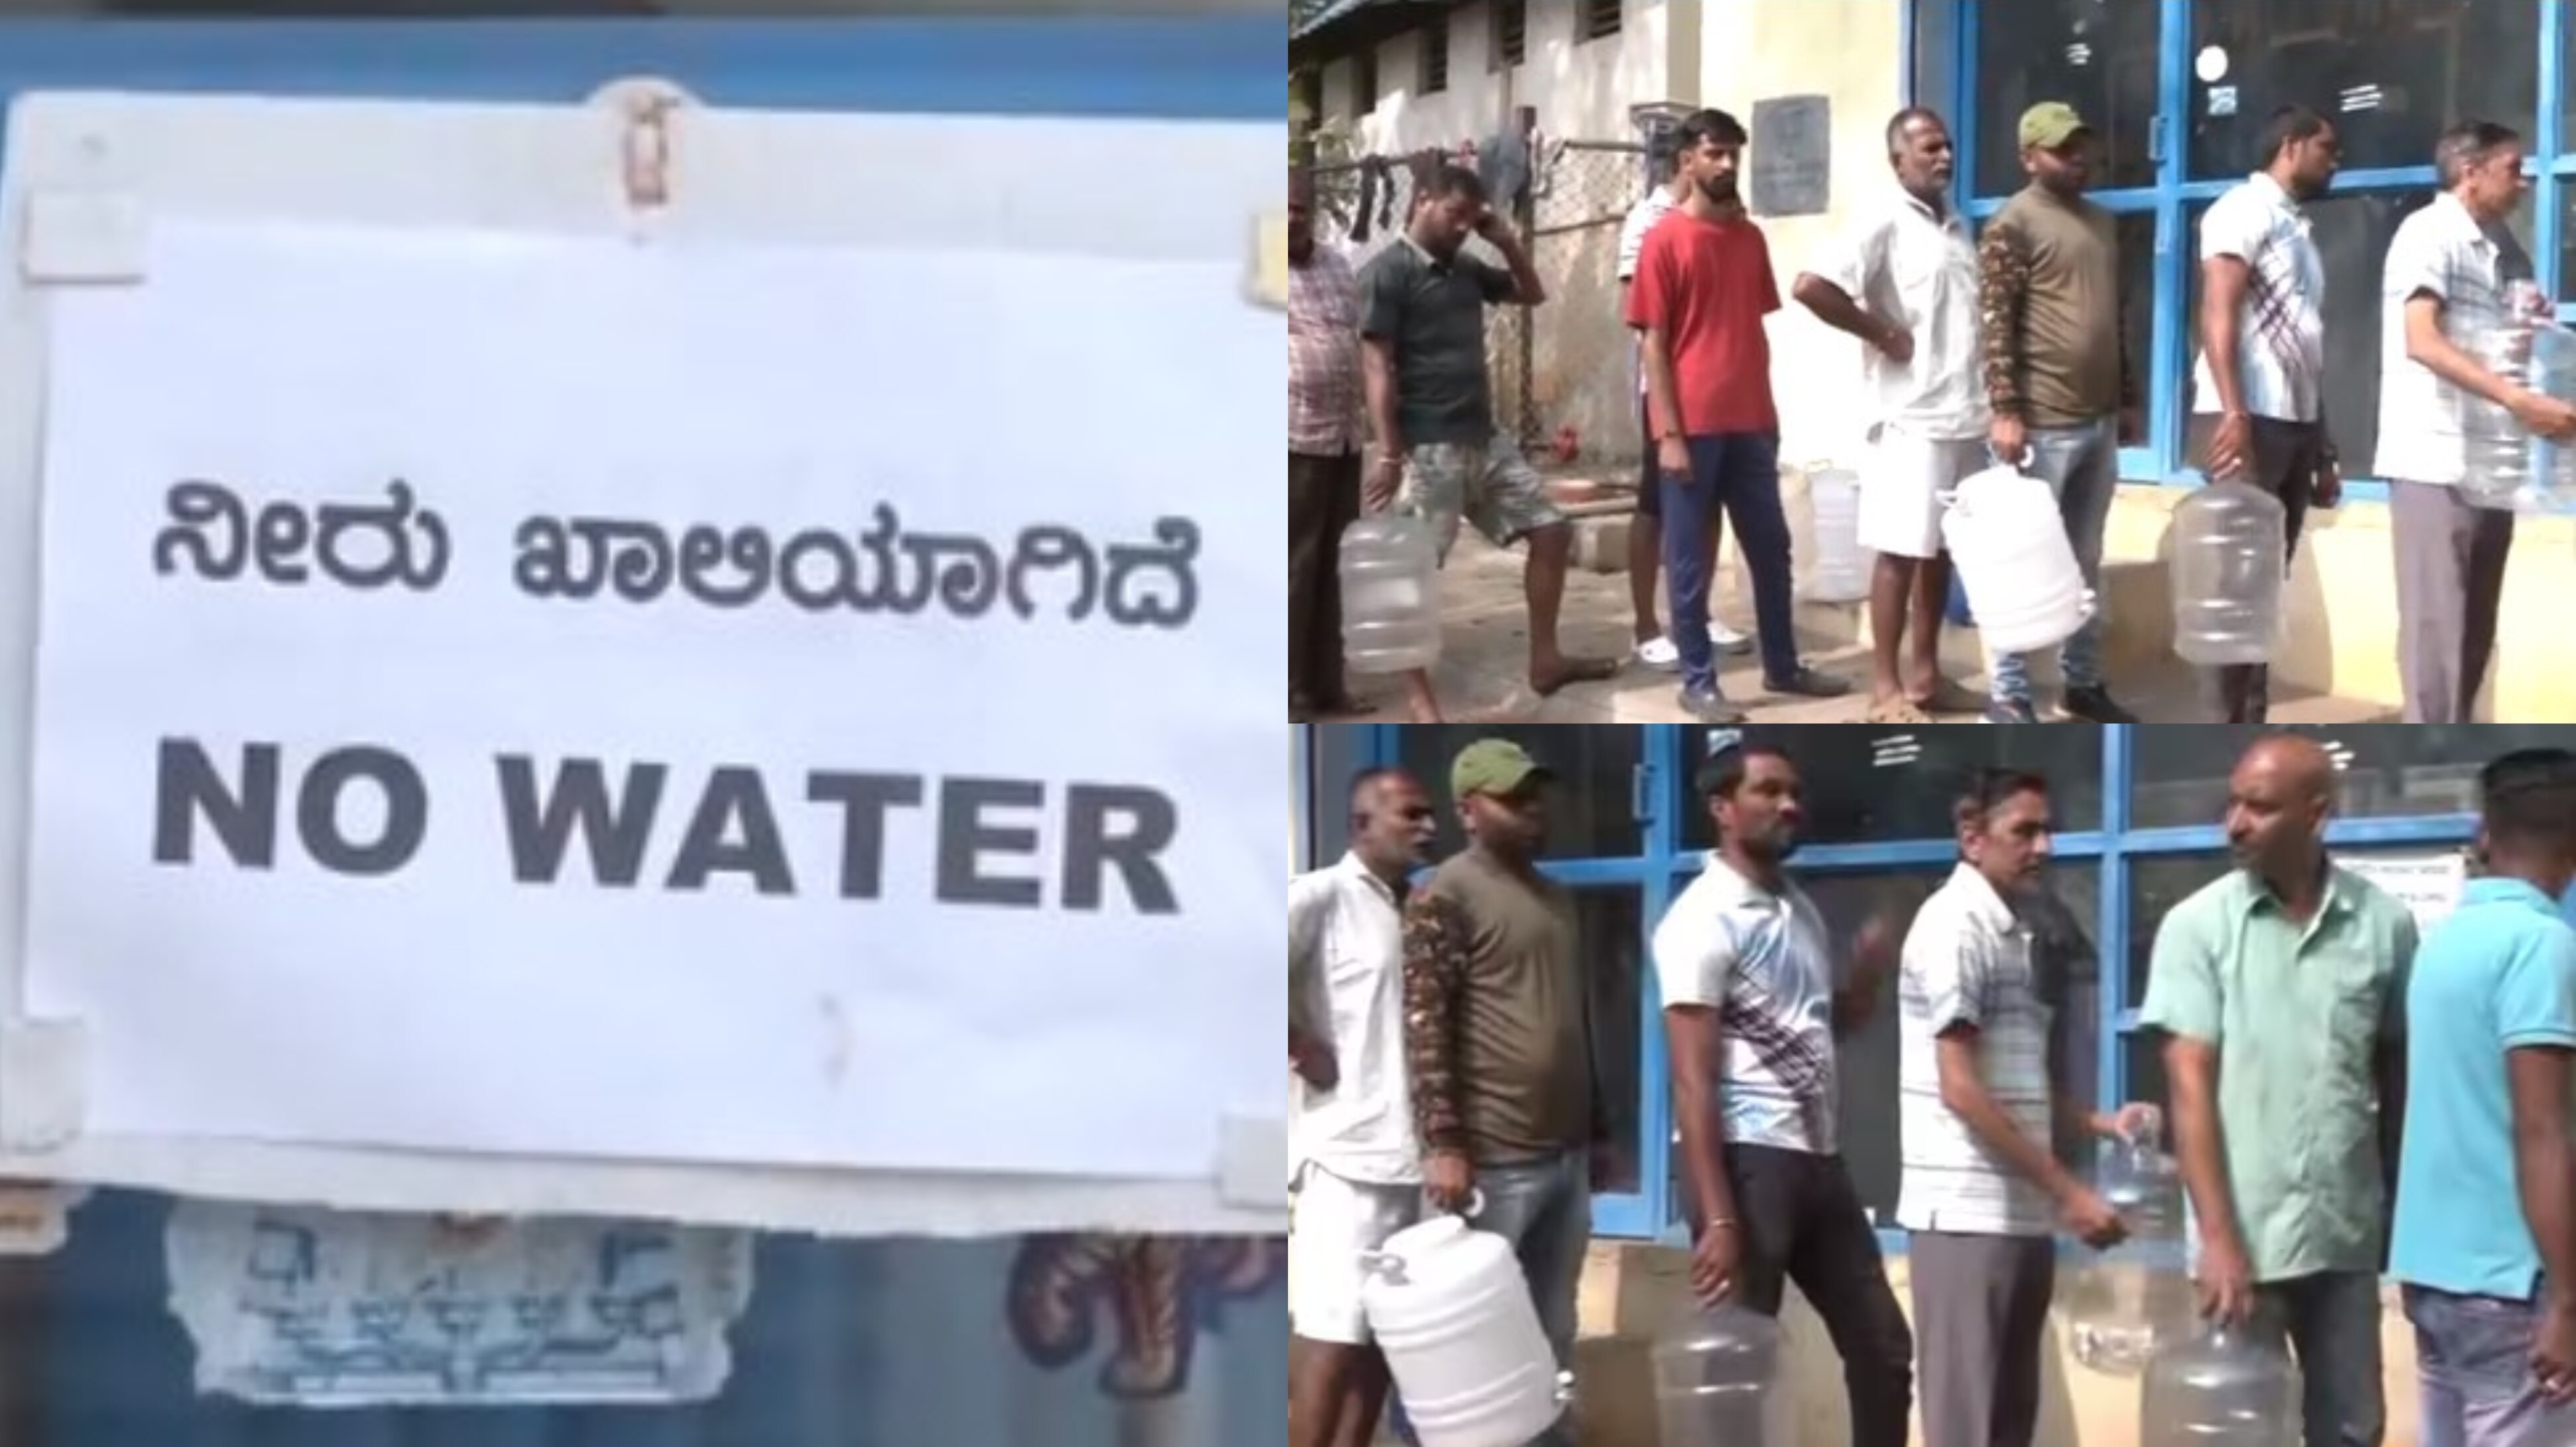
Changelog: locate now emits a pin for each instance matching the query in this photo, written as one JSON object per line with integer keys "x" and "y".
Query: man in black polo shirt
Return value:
{"x": 1422, "y": 333}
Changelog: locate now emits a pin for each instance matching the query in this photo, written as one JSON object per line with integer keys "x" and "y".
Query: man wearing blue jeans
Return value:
{"x": 2081, "y": 464}
{"x": 1498, "y": 1037}
{"x": 1703, "y": 286}
{"x": 2057, "y": 378}
{"x": 2486, "y": 1188}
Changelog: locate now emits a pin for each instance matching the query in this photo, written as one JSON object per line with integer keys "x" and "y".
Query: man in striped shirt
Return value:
{"x": 2441, "y": 292}
{"x": 1324, "y": 432}
{"x": 1752, "y": 1008}
{"x": 2260, "y": 389}
{"x": 1983, "y": 1188}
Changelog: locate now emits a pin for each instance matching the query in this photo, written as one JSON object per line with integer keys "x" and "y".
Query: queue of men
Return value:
{"x": 2005, "y": 346}
{"x": 1441, "y": 1036}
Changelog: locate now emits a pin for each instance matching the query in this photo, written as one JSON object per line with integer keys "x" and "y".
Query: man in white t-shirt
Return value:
{"x": 1354, "y": 1165}
{"x": 1977, "y": 1001}
{"x": 1646, "y": 530}
{"x": 1904, "y": 281}
{"x": 1752, "y": 1009}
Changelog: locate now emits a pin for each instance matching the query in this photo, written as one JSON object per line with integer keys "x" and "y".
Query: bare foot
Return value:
{"x": 1546, "y": 678}
{"x": 1425, "y": 713}
{"x": 1939, "y": 695}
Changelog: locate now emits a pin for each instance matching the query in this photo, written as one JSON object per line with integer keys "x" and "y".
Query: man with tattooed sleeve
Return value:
{"x": 1498, "y": 1040}
{"x": 2057, "y": 377}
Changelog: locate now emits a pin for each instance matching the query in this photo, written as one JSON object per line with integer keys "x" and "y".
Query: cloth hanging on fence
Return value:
{"x": 1503, "y": 159}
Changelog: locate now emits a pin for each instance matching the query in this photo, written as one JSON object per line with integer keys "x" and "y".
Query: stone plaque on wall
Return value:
{"x": 1791, "y": 156}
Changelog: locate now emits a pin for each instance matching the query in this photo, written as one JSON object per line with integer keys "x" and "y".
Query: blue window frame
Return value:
{"x": 1659, "y": 798}
{"x": 1942, "y": 60}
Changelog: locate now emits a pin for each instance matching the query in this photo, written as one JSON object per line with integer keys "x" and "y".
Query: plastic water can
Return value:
{"x": 1449, "y": 1308}
{"x": 2230, "y": 549}
{"x": 2006, "y": 539}
{"x": 1717, "y": 1374}
{"x": 2498, "y": 449}
{"x": 2126, "y": 1304}
{"x": 1842, "y": 565}
{"x": 2551, "y": 484}
{"x": 2223, "y": 1388}
{"x": 1390, "y": 569}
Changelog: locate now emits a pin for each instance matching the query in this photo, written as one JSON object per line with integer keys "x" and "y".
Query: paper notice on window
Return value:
{"x": 2428, "y": 883}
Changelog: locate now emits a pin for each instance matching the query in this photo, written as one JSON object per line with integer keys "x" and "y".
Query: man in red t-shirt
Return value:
{"x": 1702, "y": 289}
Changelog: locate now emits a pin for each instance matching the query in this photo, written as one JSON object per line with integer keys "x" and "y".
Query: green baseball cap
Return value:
{"x": 1492, "y": 766}
{"x": 2051, "y": 124}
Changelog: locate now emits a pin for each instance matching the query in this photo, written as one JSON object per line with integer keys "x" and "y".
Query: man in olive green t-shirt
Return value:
{"x": 2280, "y": 991}
{"x": 1497, "y": 1036}
{"x": 2057, "y": 377}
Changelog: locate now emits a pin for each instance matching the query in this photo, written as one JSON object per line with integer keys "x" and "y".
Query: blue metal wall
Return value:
{"x": 893, "y": 1344}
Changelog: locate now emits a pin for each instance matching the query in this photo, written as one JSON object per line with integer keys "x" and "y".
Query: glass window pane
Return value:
{"x": 2352, "y": 232}
{"x": 1589, "y": 811}
{"x": 2098, "y": 56}
{"x": 1869, "y": 1062}
{"x": 1614, "y": 944}
{"x": 1878, "y": 784}
{"x": 2389, "y": 770}
{"x": 2389, "y": 73}
{"x": 2136, "y": 234}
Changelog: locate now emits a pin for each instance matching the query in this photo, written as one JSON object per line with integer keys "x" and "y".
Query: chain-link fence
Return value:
{"x": 1563, "y": 379}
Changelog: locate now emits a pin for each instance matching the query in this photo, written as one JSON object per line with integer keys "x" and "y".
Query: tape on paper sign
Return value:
{"x": 84, "y": 237}
{"x": 1252, "y": 1161}
{"x": 42, "y": 1064}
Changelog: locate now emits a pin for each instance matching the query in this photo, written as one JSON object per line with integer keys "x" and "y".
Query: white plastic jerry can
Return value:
{"x": 2007, "y": 539}
{"x": 1451, "y": 1311}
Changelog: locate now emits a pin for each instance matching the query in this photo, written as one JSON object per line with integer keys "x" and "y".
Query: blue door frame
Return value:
{"x": 1658, "y": 804}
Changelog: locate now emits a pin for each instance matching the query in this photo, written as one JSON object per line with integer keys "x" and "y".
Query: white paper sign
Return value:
{"x": 2429, "y": 884}
{"x": 724, "y": 704}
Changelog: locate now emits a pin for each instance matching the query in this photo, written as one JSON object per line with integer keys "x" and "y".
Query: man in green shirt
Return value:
{"x": 2279, "y": 990}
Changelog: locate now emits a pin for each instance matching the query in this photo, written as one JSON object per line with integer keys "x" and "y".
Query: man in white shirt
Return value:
{"x": 1977, "y": 1001}
{"x": 2259, "y": 391}
{"x": 2443, "y": 288}
{"x": 1752, "y": 1008}
{"x": 1904, "y": 281}
{"x": 1354, "y": 1165}
{"x": 1646, "y": 529}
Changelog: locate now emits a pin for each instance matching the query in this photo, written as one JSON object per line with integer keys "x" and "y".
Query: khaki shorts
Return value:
{"x": 1492, "y": 486}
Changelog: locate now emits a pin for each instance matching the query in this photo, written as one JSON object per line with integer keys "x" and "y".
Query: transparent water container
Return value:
{"x": 2551, "y": 483}
{"x": 1390, "y": 568}
{"x": 2126, "y": 1304}
{"x": 2230, "y": 550}
{"x": 1842, "y": 565}
{"x": 1717, "y": 1375}
{"x": 2220, "y": 1389}
{"x": 2499, "y": 449}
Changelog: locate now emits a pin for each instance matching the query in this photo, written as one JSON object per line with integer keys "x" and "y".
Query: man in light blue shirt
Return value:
{"x": 2486, "y": 1190}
